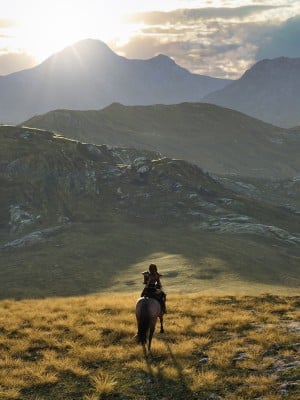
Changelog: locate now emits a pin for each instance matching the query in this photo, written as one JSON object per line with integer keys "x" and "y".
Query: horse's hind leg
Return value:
{"x": 150, "y": 338}
{"x": 161, "y": 324}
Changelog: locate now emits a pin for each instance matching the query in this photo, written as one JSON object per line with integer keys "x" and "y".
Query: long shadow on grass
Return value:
{"x": 165, "y": 386}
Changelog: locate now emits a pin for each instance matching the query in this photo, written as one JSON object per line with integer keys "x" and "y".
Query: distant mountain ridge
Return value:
{"x": 90, "y": 75}
{"x": 269, "y": 91}
{"x": 217, "y": 139}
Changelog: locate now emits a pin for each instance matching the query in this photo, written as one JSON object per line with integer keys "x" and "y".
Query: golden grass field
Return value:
{"x": 214, "y": 347}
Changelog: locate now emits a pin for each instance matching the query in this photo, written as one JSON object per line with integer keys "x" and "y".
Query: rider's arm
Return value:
{"x": 146, "y": 277}
{"x": 158, "y": 284}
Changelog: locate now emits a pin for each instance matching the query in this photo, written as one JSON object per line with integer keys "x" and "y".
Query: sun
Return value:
{"x": 46, "y": 27}
{"x": 54, "y": 27}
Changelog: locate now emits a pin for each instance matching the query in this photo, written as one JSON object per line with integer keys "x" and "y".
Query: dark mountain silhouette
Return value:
{"x": 219, "y": 140}
{"x": 270, "y": 91}
{"x": 89, "y": 75}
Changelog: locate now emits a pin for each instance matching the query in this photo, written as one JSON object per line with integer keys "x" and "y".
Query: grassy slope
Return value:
{"x": 107, "y": 250}
{"x": 219, "y": 140}
{"x": 110, "y": 256}
{"x": 233, "y": 348}
{"x": 237, "y": 348}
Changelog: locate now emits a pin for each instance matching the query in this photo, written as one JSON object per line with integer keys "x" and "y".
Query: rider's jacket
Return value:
{"x": 152, "y": 280}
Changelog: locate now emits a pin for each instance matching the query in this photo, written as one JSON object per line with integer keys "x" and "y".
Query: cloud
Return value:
{"x": 283, "y": 40}
{"x": 192, "y": 15}
{"x": 141, "y": 47}
{"x": 217, "y": 60}
{"x": 215, "y": 48}
{"x": 16, "y": 61}
{"x": 6, "y": 23}
{"x": 11, "y": 60}
{"x": 216, "y": 41}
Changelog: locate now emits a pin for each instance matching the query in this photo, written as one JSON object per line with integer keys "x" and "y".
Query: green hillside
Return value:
{"x": 78, "y": 218}
{"x": 217, "y": 139}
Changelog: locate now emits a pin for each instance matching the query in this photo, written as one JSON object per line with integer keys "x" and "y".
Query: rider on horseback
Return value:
{"x": 153, "y": 286}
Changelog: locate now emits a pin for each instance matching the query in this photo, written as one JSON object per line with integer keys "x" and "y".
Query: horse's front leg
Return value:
{"x": 161, "y": 318}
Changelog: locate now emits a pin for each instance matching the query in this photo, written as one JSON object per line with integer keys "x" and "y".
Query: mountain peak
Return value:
{"x": 269, "y": 91}
{"x": 89, "y": 75}
{"x": 85, "y": 54}
{"x": 162, "y": 59}
{"x": 89, "y": 48}
{"x": 91, "y": 45}
{"x": 279, "y": 63}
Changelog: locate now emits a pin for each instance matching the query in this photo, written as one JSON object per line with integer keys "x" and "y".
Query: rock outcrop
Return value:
{"x": 49, "y": 180}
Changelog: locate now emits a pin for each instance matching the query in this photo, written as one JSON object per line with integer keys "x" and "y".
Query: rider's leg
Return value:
{"x": 163, "y": 302}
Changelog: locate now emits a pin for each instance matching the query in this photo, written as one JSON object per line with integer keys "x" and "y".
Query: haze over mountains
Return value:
{"x": 89, "y": 75}
{"x": 217, "y": 139}
{"x": 269, "y": 91}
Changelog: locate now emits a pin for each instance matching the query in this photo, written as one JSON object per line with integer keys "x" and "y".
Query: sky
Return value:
{"x": 219, "y": 38}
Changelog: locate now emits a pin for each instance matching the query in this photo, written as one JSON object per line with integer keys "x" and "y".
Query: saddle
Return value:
{"x": 147, "y": 292}
{"x": 151, "y": 290}
{"x": 154, "y": 293}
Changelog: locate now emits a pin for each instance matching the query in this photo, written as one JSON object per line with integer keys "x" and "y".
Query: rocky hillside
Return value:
{"x": 90, "y": 75}
{"x": 284, "y": 193}
{"x": 75, "y": 216}
{"x": 270, "y": 91}
{"x": 217, "y": 139}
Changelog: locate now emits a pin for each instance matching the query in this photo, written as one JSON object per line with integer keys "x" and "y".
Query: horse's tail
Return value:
{"x": 143, "y": 322}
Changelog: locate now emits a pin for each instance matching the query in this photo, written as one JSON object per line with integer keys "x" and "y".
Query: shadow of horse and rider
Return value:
{"x": 175, "y": 387}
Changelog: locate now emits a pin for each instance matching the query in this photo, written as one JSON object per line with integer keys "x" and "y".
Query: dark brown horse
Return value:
{"x": 147, "y": 311}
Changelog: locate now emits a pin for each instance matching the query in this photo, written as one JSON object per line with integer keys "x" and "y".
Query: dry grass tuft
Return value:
{"x": 103, "y": 383}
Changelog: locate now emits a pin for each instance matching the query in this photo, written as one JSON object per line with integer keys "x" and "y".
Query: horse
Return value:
{"x": 147, "y": 311}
